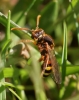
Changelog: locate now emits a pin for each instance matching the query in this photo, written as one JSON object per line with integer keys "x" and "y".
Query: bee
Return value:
{"x": 46, "y": 45}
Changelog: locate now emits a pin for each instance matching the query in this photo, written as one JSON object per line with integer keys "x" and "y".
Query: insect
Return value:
{"x": 46, "y": 46}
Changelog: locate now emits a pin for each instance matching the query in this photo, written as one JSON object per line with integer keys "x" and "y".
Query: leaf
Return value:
{"x": 49, "y": 16}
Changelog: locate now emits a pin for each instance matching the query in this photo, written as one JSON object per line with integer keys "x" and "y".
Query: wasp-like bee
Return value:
{"x": 46, "y": 47}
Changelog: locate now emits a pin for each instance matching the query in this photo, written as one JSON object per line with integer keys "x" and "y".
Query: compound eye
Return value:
{"x": 40, "y": 32}
{"x": 37, "y": 34}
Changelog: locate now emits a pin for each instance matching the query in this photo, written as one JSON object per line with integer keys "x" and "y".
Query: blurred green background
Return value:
{"x": 26, "y": 84}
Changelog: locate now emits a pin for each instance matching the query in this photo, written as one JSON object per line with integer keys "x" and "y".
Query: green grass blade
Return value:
{"x": 13, "y": 92}
{"x": 2, "y": 88}
{"x": 4, "y": 93}
{"x": 8, "y": 26}
{"x": 7, "y": 40}
{"x": 64, "y": 53}
{"x": 19, "y": 87}
{"x": 25, "y": 11}
{"x": 10, "y": 72}
{"x": 72, "y": 3}
{"x": 4, "y": 48}
{"x": 72, "y": 69}
{"x": 20, "y": 34}
{"x": 35, "y": 77}
{"x": 49, "y": 15}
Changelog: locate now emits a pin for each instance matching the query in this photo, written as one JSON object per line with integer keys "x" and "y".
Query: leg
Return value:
{"x": 41, "y": 59}
{"x": 28, "y": 41}
{"x": 45, "y": 64}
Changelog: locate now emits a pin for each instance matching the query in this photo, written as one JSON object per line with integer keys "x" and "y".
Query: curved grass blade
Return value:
{"x": 26, "y": 11}
{"x": 14, "y": 93}
{"x": 72, "y": 4}
{"x": 4, "y": 48}
{"x": 20, "y": 34}
{"x": 34, "y": 74}
{"x": 7, "y": 40}
{"x": 64, "y": 53}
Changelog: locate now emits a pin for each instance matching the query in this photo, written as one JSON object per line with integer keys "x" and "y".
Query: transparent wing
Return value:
{"x": 55, "y": 67}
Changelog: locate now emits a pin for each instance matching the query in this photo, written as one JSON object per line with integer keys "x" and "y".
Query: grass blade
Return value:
{"x": 49, "y": 15}
{"x": 64, "y": 53}
{"x": 4, "y": 48}
{"x": 35, "y": 77}
{"x": 8, "y": 26}
{"x": 25, "y": 11}
{"x": 7, "y": 40}
{"x": 20, "y": 34}
{"x": 14, "y": 93}
{"x": 72, "y": 4}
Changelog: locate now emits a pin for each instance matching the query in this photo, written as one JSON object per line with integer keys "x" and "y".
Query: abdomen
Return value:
{"x": 47, "y": 71}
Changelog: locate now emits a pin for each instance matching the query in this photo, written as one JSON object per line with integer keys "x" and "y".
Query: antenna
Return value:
{"x": 37, "y": 25}
{"x": 38, "y": 18}
{"x": 16, "y": 28}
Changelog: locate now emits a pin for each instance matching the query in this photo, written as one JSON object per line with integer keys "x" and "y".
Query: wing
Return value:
{"x": 55, "y": 67}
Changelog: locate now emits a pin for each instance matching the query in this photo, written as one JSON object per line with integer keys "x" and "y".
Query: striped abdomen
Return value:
{"x": 47, "y": 71}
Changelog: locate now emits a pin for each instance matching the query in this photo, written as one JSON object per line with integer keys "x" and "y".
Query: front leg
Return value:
{"x": 28, "y": 41}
